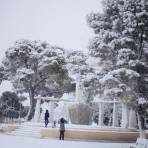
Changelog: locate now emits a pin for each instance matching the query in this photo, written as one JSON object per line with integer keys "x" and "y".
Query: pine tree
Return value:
{"x": 121, "y": 45}
{"x": 36, "y": 68}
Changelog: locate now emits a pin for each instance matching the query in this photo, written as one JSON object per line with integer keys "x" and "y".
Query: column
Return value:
{"x": 125, "y": 111}
{"x": 77, "y": 90}
{"x": 132, "y": 119}
{"x": 80, "y": 92}
{"x": 51, "y": 107}
{"x": 115, "y": 116}
{"x": 100, "y": 114}
{"x": 37, "y": 111}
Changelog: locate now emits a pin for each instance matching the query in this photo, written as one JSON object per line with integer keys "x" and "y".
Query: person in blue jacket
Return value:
{"x": 46, "y": 118}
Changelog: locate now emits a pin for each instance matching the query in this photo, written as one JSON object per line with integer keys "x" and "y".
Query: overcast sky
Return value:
{"x": 59, "y": 22}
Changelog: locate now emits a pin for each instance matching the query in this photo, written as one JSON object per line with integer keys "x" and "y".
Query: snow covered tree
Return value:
{"x": 79, "y": 68}
{"x": 36, "y": 68}
{"x": 2, "y": 74}
{"x": 121, "y": 45}
{"x": 76, "y": 62}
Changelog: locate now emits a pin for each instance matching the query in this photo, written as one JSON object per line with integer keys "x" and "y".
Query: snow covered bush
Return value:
{"x": 11, "y": 106}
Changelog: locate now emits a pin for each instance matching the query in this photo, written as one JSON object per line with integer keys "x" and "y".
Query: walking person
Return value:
{"x": 62, "y": 128}
{"x": 46, "y": 118}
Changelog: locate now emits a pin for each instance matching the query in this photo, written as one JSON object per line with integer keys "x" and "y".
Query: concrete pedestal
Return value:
{"x": 80, "y": 114}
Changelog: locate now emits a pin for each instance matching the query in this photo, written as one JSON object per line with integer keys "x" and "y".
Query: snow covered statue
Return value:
{"x": 80, "y": 112}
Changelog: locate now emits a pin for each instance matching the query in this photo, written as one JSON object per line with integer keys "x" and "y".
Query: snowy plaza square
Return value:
{"x": 74, "y": 73}
{"x": 25, "y": 142}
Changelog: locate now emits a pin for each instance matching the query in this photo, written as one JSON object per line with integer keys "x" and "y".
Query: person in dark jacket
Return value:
{"x": 62, "y": 128}
{"x": 46, "y": 118}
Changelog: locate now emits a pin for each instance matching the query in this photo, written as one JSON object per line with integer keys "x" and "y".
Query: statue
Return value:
{"x": 80, "y": 112}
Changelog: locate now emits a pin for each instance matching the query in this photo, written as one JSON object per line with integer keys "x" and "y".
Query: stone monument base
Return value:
{"x": 80, "y": 114}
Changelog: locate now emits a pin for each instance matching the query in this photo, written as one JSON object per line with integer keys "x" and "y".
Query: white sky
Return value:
{"x": 59, "y": 22}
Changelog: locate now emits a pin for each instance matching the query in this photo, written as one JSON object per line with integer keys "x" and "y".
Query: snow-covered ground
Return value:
{"x": 7, "y": 141}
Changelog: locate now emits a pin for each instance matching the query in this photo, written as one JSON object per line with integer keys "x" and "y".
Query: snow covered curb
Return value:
{"x": 4, "y": 128}
{"x": 92, "y": 135}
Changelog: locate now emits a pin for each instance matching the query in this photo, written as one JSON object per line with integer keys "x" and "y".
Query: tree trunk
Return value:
{"x": 31, "y": 110}
{"x": 32, "y": 105}
{"x": 141, "y": 128}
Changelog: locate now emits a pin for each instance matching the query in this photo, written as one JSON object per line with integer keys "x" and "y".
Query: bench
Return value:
{"x": 140, "y": 143}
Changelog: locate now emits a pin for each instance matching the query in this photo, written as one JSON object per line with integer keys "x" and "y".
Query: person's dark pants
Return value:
{"x": 61, "y": 135}
{"x": 46, "y": 122}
